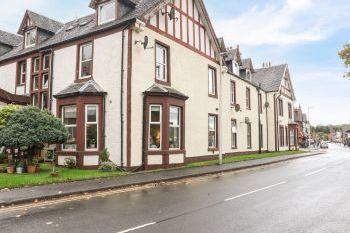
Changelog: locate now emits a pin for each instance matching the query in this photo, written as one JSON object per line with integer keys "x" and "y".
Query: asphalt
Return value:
{"x": 308, "y": 195}
{"x": 44, "y": 192}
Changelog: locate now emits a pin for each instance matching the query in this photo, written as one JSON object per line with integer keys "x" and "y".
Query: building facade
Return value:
{"x": 150, "y": 81}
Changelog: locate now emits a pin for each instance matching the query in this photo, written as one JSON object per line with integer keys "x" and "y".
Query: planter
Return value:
{"x": 32, "y": 169}
{"x": 11, "y": 170}
{"x": 19, "y": 170}
{"x": 54, "y": 174}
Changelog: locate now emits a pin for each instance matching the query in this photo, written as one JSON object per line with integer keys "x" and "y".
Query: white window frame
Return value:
{"x": 215, "y": 130}
{"x": 249, "y": 136}
{"x": 37, "y": 99}
{"x": 22, "y": 72}
{"x": 160, "y": 123}
{"x": 92, "y": 123}
{"x": 43, "y": 81}
{"x": 165, "y": 65}
{"x": 38, "y": 84}
{"x": 44, "y": 62}
{"x": 89, "y": 60}
{"x": 70, "y": 126}
{"x": 233, "y": 89}
{"x": 26, "y": 38}
{"x": 36, "y": 59}
{"x": 212, "y": 79}
{"x": 232, "y": 133}
{"x": 176, "y": 126}
{"x": 42, "y": 100}
{"x": 99, "y": 12}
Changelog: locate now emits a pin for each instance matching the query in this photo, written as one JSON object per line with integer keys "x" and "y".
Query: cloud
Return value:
{"x": 289, "y": 23}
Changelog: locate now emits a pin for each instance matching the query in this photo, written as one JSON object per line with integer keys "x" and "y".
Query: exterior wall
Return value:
{"x": 8, "y": 77}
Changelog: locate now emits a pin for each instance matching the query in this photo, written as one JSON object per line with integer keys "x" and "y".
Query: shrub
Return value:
{"x": 2, "y": 158}
{"x": 108, "y": 166}
{"x": 104, "y": 156}
{"x": 70, "y": 163}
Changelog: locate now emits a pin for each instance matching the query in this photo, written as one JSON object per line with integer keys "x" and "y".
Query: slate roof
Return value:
{"x": 44, "y": 22}
{"x": 160, "y": 90}
{"x": 231, "y": 54}
{"x": 84, "y": 88}
{"x": 9, "y": 98}
{"x": 247, "y": 64}
{"x": 270, "y": 78}
{"x": 10, "y": 39}
{"x": 65, "y": 34}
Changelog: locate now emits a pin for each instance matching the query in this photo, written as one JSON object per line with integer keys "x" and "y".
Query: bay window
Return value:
{"x": 212, "y": 132}
{"x": 175, "y": 127}
{"x": 106, "y": 12}
{"x": 30, "y": 38}
{"x": 212, "y": 81}
{"x": 155, "y": 127}
{"x": 161, "y": 63}
{"x": 91, "y": 127}
{"x": 85, "y": 61}
{"x": 69, "y": 118}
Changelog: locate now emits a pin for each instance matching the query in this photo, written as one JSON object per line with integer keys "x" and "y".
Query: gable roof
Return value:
{"x": 247, "y": 64}
{"x": 270, "y": 78}
{"x": 40, "y": 21}
{"x": 234, "y": 55}
{"x": 84, "y": 88}
{"x": 10, "y": 39}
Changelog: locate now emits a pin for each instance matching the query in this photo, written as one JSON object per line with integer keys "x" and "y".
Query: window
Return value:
{"x": 69, "y": 118}
{"x": 46, "y": 62}
{"x": 30, "y": 38}
{"x": 35, "y": 82}
{"x": 248, "y": 75}
{"x": 155, "y": 127}
{"x": 44, "y": 100}
{"x": 85, "y": 61}
{"x": 249, "y": 135}
{"x": 213, "y": 132}
{"x": 106, "y": 12}
{"x": 45, "y": 81}
{"x": 260, "y": 104}
{"x": 212, "y": 81}
{"x": 280, "y": 107}
{"x": 161, "y": 63}
{"x": 286, "y": 136}
{"x": 22, "y": 73}
{"x": 248, "y": 101}
{"x": 35, "y": 100}
{"x": 175, "y": 127}
{"x": 233, "y": 134}
{"x": 290, "y": 111}
{"x": 91, "y": 127}
{"x": 292, "y": 137}
{"x": 233, "y": 93}
{"x": 36, "y": 64}
{"x": 281, "y": 136}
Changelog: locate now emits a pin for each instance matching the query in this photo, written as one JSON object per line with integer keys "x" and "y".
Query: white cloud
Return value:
{"x": 293, "y": 22}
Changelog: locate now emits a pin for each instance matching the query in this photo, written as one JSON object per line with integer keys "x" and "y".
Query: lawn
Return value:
{"x": 16, "y": 181}
{"x": 240, "y": 158}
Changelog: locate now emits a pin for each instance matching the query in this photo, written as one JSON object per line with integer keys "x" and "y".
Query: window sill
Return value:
{"x": 212, "y": 96}
{"x": 165, "y": 83}
{"x": 213, "y": 149}
{"x": 81, "y": 80}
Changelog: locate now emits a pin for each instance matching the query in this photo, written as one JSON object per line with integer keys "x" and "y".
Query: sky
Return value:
{"x": 306, "y": 34}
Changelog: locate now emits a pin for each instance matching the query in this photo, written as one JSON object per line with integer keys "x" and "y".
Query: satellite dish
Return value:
{"x": 172, "y": 13}
{"x": 237, "y": 108}
{"x": 145, "y": 42}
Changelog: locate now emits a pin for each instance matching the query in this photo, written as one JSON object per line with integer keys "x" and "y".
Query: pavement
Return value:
{"x": 45, "y": 192}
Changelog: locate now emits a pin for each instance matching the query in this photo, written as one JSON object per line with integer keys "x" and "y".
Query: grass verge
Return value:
{"x": 240, "y": 158}
{"x": 65, "y": 175}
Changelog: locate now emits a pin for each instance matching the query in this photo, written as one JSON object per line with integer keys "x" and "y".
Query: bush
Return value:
{"x": 108, "y": 166}
{"x": 70, "y": 163}
{"x": 2, "y": 158}
{"x": 104, "y": 156}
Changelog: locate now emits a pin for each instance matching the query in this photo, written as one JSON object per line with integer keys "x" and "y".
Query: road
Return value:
{"x": 310, "y": 195}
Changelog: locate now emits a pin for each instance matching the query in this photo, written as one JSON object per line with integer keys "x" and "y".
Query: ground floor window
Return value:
{"x": 44, "y": 100}
{"x": 234, "y": 134}
{"x": 292, "y": 137}
{"x": 281, "y": 136}
{"x": 155, "y": 127}
{"x": 174, "y": 127}
{"x": 69, "y": 118}
{"x": 287, "y": 142}
{"x": 261, "y": 135}
{"x": 91, "y": 127}
{"x": 249, "y": 135}
{"x": 212, "y": 134}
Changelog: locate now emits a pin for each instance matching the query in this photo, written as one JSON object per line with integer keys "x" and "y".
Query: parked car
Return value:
{"x": 324, "y": 145}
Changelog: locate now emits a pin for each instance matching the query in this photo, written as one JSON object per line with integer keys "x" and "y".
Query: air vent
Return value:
{"x": 70, "y": 28}
{"x": 83, "y": 23}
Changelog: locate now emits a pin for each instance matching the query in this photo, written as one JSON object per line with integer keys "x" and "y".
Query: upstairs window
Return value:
{"x": 36, "y": 64}
{"x": 212, "y": 82}
{"x": 46, "y": 62}
{"x": 106, "y": 12}
{"x": 45, "y": 81}
{"x": 248, "y": 101}
{"x": 35, "y": 82}
{"x": 290, "y": 113}
{"x": 85, "y": 61}
{"x": 30, "y": 38}
{"x": 260, "y": 104}
{"x": 233, "y": 93}
{"x": 280, "y": 107}
{"x": 161, "y": 63}
{"x": 22, "y": 66}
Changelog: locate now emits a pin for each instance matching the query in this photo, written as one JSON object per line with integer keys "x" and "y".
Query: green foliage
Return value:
{"x": 2, "y": 158}
{"x": 70, "y": 163}
{"x": 322, "y": 129}
{"x": 345, "y": 56}
{"x": 104, "y": 156}
{"x": 108, "y": 167}
{"x": 30, "y": 127}
{"x": 6, "y": 112}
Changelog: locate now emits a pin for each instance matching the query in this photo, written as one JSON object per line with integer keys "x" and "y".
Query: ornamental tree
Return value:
{"x": 345, "y": 56}
{"x": 31, "y": 128}
{"x": 6, "y": 112}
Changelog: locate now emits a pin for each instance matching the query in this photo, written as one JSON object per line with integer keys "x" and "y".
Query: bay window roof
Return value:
{"x": 84, "y": 88}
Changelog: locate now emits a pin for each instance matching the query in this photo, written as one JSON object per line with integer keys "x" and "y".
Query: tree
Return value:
{"x": 345, "y": 56}
{"x": 31, "y": 128}
{"x": 6, "y": 112}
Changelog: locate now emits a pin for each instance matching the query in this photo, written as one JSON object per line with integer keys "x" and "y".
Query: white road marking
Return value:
{"x": 255, "y": 191}
{"x": 137, "y": 228}
{"x": 315, "y": 172}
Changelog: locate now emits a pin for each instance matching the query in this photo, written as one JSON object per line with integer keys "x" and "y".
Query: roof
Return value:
{"x": 10, "y": 98}
{"x": 93, "y": 3}
{"x": 84, "y": 88}
{"x": 42, "y": 22}
{"x": 270, "y": 78}
{"x": 160, "y": 90}
{"x": 10, "y": 39}
{"x": 247, "y": 64}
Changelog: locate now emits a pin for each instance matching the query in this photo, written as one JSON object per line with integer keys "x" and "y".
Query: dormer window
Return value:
{"x": 30, "y": 38}
{"x": 235, "y": 67}
{"x": 106, "y": 12}
{"x": 248, "y": 75}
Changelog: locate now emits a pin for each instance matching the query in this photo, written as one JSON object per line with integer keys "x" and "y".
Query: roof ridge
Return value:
{"x": 33, "y": 12}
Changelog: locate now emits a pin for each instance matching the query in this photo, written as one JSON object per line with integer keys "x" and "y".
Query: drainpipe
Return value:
{"x": 220, "y": 115}
{"x": 277, "y": 136}
{"x": 267, "y": 123}
{"x": 104, "y": 121}
{"x": 259, "y": 116}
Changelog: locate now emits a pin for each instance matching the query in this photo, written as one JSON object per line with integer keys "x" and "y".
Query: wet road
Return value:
{"x": 305, "y": 195}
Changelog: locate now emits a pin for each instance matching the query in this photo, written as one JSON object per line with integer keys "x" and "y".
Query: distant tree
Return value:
{"x": 344, "y": 54}
{"x": 31, "y": 128}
